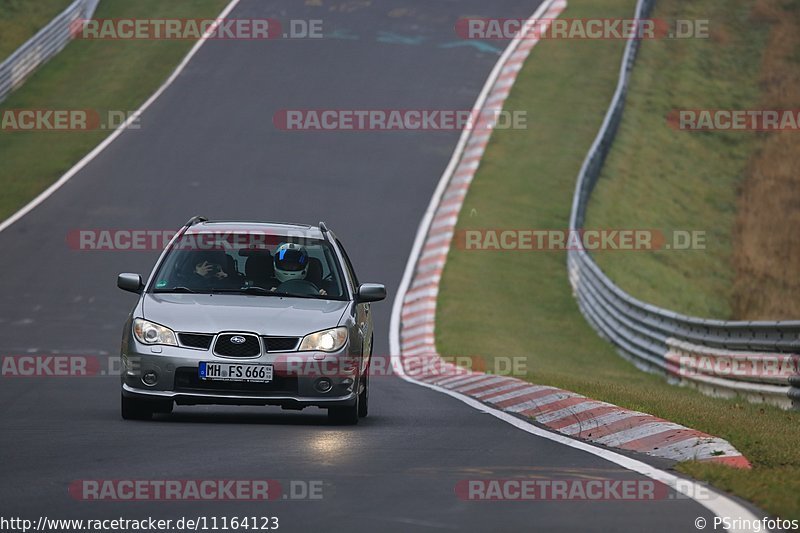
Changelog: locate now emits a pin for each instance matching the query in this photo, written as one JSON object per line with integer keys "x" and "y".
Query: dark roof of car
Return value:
{"x": 278, "y": 228}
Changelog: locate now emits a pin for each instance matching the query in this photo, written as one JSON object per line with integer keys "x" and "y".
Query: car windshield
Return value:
{"x": 249, "y": 263}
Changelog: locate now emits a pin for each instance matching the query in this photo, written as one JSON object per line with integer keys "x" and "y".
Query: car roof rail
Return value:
{"x": 322, "y": 227}
{"x": 195, "y": 220}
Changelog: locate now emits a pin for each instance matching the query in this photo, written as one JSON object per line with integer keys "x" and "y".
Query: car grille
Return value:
{"x": 280, "y": 344}
{"x": 250, "y": 348}
{"x": 226, "y": 348}
{"x": 187, "y": 380}
{"x": 195, "y": 340}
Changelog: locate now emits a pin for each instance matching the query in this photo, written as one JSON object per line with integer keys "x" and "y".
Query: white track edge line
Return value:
{"x": 724, "y": 507}
{"x": 721, "y": 505}
{"x": 44, "y": 195}
{"x": 716, "y": 502}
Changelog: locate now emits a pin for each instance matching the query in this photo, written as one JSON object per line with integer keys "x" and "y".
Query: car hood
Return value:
{"x": 263, "y": 315}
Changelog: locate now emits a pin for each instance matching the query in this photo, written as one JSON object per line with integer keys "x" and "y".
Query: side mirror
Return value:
{"x": 371, "y": 292}
{"x": 130, "y": 283}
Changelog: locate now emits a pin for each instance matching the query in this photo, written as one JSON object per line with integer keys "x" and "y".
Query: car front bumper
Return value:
{"x": 193, "y": 398}
{"x": 296, "y": 376}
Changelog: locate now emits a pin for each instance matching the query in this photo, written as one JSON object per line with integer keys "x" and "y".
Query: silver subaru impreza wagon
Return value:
{"x": 249, "y": 313}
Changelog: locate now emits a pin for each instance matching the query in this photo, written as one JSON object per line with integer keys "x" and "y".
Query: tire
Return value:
{"x": 345, "y": 416}
{"x": 135, "y": 409}
{"x": 363, "y": 398}
{"x": 349, "y": 416}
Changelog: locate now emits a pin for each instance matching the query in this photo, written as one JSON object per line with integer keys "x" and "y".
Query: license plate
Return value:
{"x": 257, "y": 373}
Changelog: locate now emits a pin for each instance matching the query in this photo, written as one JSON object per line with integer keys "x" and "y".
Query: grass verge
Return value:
{"x": 98, "y": 75}
{"x": 520, "y": 303}
{"x": 767, "y": 244}
{"x": 681, "y": 180}
{"x": 20, "y": 19}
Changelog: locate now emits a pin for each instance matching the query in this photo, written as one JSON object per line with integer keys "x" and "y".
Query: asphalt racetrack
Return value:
{"x": 208, "y": 146}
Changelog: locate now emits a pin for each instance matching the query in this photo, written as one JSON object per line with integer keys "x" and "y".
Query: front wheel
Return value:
{"x": 363, "y": 398}
{"x": 346, "y": 416}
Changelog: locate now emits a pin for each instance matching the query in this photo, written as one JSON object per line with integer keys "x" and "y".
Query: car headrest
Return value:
{"x": 259, "y": 266}
{"x": 314, "y": 274}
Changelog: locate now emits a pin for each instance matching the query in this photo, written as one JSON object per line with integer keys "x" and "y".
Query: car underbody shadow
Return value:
{"x": 249, "y": 415}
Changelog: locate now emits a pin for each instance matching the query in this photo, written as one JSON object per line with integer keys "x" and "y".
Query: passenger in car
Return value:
{"x": 207, "y": 270}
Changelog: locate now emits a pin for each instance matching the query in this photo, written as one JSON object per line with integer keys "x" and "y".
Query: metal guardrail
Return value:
{"x": 718, "y": 357}
{"x": 47, "y": 42}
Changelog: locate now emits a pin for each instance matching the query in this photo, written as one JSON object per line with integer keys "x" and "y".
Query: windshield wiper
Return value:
{"x": 258, "y": 290}
{"x": 261, "y": 291}
{"x": 248, "y": 290}
{"x": 176, "y": 289}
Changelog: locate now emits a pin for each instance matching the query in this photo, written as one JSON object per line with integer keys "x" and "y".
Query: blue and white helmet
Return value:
{"x": 291, "y": 262}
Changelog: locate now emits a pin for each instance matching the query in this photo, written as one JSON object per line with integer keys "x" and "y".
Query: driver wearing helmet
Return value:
{"x": 291, "y": 263}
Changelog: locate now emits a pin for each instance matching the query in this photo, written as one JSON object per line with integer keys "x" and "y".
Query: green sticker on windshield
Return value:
{"x": 161, "y": 284}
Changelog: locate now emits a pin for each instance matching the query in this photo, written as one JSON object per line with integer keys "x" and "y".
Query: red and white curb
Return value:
{"x": 559, "y": 410}
{"x": 574, "y": 415}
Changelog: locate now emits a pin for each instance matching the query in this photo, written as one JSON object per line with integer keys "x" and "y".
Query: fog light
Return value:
{"x": 323, "y": 385}
{"x": 150, "y": 379}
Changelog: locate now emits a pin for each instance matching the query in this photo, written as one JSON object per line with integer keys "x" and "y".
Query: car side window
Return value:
{"x": 348, "y": 264}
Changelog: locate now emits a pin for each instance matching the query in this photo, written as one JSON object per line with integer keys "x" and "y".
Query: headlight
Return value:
{"x": 329, "y": 340}
{"x": 148, "y": 332}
